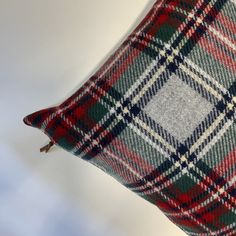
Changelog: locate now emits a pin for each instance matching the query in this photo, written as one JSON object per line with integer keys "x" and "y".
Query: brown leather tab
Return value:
{"x": 47, "y": 147}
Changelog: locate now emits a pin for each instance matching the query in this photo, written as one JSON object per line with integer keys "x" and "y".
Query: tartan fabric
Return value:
{"x": 159, "y": 115}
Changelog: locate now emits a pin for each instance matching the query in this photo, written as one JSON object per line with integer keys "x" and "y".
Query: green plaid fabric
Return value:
{"x": 159, "y": 115}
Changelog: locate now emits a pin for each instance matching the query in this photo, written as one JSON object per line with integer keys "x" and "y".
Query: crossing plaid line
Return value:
{"x": 120, "y": 126}
{"x": 135, "y": 89}
{"x": 156, "y": 132}
{"x": 170, "y": 178}
{"x": 166, "y": 62}
{"x": 228, "y": 230}
{"x": 223, "y": 93}
{"x": 223, "y": 40}
{"x": 228, "y": 31}
{"x": 148, "y": 183}
{"x": 214, "y": 183}
{"x": 142, "y": 94}
{"x": 221, "y": 122}
{"x": 192, "y": 69}
{"x": 117, "y": 121}
{"x": 90, "y": 136}
{"x": 220, "y": 56}
{"x": 211, "y": 29}
{"x": 227, "y": 162}
{"x": 158, "y": 188}
{"x": 159, "y": 147}
{"x": 221, "y": 196}
{"x": 193, "y": 80}
{"x": 192, "y": 167}
{"x": 208, "y": 118}
{"x": 116, "y": 56}
{"x": 118, "y": 159}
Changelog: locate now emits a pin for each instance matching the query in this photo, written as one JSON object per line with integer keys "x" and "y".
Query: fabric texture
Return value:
{"x": 159, "y": 115}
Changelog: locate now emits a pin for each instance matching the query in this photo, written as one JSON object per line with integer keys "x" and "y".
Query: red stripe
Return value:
{"x": 130, "y": 155}
{"x": 114, "y": 164}
{"x": 136, "y": 159}
{"x": 223, "y": 42}
{"x": 157, "y": 23}
{"x": 228, "y": 24}
{"x": 226, "y": 164}
{"x": 219, "y": 55}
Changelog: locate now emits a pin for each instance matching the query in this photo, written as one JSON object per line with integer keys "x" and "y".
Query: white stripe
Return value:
{"x": 187, "y": 61}
{"x": 200, "y": 21}
{"x": 220, "y": 134}
{"x": 222, "y": 38}
{"x": 201, "y": 82}
{"x": 163, "y": 52}
{"x": 148, "y": 184}
{"x": 156, "y": 8}
{"x": 181, "y": 44}
{"x": 218, "y": 232}
{"x": 217, "y": 195}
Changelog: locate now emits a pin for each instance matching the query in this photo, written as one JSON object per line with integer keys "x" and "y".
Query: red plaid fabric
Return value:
{"x": 159, "y": 115}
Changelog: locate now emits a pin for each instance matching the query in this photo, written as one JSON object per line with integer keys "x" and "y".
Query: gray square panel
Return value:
{"x": 178, "y": 108}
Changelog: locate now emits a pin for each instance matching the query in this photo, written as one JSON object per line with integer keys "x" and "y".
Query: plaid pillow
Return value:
{"x": 159, "y": 115}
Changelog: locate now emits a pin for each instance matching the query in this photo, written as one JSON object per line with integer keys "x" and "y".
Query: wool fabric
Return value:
{"x": 159, "y": 115}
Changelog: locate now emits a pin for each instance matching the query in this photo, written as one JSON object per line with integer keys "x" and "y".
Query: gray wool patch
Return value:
{"x": 178, "y": 108}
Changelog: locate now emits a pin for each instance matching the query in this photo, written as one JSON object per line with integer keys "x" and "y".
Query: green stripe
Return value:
{"x": 222, "y": 148}
{"x": 133, "y": 72}
{"x": 211, "y": 66}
